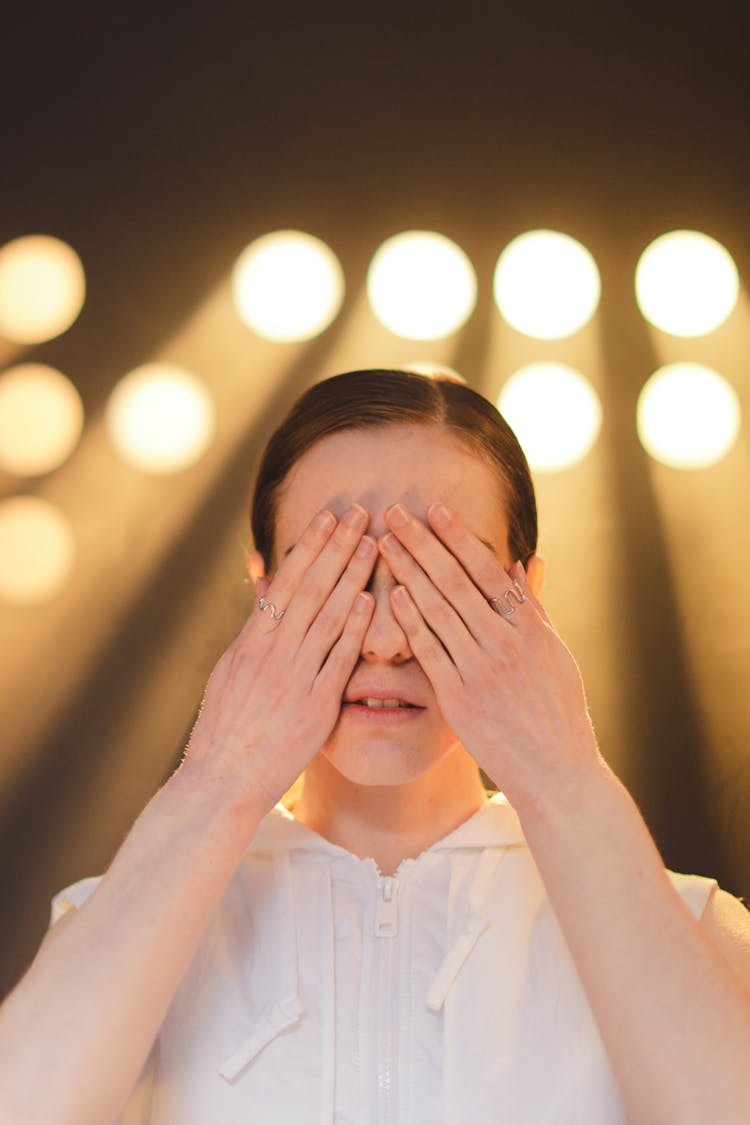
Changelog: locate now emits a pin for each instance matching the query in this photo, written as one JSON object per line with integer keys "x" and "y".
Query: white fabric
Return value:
{"x": 325, "y": 993}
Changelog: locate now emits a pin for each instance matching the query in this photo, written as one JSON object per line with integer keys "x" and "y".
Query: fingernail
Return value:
{"x": 397, "y": 516}
{"x": 361, "y": 602}
{"x": 323, "y": 520}
{"x": 439, "y": 514}
{"x": 366, "y": 547}
{"x": 354, "y": 515}
{"x": 389, "y": 542}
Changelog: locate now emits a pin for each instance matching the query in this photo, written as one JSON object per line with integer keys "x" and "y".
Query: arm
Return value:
{"x": 671, "y": 996}
{"x": 86, "y": 1014}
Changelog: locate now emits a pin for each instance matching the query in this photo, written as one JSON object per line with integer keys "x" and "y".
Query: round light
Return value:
{"x": 42, "y": 288}
{"x": 37, "y": 550}
{"x": 41, "y": 419}
{"x": 546, "y": 284}
{"x": 688, "y": 416}
{"x": 554, "y": 412}
{"x": 686, "y": 283}
{"x": 160, "y": 418}
{"x": 287, "y": 286}
{"x": 421, "y": 285}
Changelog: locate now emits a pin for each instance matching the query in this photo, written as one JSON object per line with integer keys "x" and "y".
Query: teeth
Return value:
{"x": 381, "y": 703}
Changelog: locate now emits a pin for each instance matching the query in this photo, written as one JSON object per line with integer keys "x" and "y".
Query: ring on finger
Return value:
{"x": 504, "y": 605}
{"x": 268, "y": 607}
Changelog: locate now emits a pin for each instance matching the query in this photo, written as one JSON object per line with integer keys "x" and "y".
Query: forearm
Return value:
{"x": 674, "y": 1016}
{"x": 77, "y": 1029}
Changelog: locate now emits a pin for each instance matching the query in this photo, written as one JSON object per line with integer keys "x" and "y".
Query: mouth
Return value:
{"x": 380, "y": 704}
{"x": 381, "y": 710}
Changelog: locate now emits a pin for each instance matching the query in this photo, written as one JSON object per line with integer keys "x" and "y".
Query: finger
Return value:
{"x": 481, "y": 564}
{"x": 344, "y": 654}
{"x": 427, "y": 649}
{"x": 518, "y": 572}
{"x": 289, "y": 574}
{"x": 439, "y": 614}
{"x": 447, "y": 571}
{"x": 332, "y": 617}
{"x": 321, "y": 577}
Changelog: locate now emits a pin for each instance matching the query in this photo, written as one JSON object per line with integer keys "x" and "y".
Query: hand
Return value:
{"x": 274, "y": 696}
{"x": 507, "y": 685}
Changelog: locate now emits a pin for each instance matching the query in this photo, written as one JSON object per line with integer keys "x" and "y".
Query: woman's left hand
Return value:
{"x": 506, "y": 684}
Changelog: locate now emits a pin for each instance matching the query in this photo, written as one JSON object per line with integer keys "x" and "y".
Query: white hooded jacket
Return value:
{"x": 325, "y": 993}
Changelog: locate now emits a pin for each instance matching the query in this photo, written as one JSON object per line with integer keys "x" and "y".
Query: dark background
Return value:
{"x": 158, "y": 141}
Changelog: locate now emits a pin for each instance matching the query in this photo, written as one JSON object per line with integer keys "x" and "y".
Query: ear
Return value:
{"x": 535, "y": 574}
{"x": 256, "y": 566}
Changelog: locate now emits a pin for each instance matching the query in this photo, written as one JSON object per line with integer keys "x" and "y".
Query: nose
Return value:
{"x": 385, "y": 640}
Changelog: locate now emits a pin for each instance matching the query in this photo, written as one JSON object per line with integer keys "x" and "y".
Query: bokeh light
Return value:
{"x": 41, "y": 419}
{"x": 686, "y": 283}
{"x": 160, "y": 418}
{"x": 287, "y": 286}
{"x": 37, "y": 550}
{"x": 546, "y": 284}
{"x": 421, "y": 285}
{"x": 688, "y": 416}
{"x": 554, "y": 412}
{"x": 42, "y": 288}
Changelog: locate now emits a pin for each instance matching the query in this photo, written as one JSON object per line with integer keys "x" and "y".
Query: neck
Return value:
{"x": 390, "y": 822}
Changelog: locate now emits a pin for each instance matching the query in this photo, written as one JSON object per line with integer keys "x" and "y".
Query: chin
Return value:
{"x": 376, "y": 762}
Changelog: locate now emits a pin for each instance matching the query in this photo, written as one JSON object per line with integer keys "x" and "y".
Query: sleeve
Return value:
{"x": 70, "y": 898}
{"x": 694, "y": 890}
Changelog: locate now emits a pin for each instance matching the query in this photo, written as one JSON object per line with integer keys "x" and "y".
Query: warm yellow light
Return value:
{"x": 160, "y": 418}
{"x": 686, "y": 283}
{"x": 42, "y": 288}
{"x": 688, "y": 416}
{"x": 421, "y": 285}
{"x": 287, "y": 286}
{"x": 546, "y": 284}
{"x": 554, "y": 412}
{"x": 41, "y": 419}
{"x": 37, "y": 550}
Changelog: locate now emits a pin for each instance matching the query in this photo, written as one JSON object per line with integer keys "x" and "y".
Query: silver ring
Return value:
{"x": 268, "y": 607}
{"x": 504, "y": 605}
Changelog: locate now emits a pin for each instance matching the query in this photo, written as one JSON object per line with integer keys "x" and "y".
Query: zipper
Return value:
{"x": 386, "y": 928}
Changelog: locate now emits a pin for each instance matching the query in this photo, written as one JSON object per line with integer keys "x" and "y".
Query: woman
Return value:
{"x": 397, "y": 947}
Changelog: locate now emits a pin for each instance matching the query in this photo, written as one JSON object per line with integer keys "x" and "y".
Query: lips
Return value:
{"x": 381, "y": 704}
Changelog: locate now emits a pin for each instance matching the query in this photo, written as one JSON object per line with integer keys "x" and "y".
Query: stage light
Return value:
{"x": 546, "y": 284}
{"x": 42, "y": 288}
{"x": 287, "y": 286}
{"x": 688, "y": 416}
{"x": 37, "y": 550}
{"x": 686, "y": 283}
{"x": 160, "y": 418}
{"x": 554, "y": 412}
{"x": 41, "y": 419}
{"x": 421, "y": 285}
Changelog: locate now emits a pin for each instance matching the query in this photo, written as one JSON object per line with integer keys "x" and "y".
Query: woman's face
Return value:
{"x": 377, "y": 467}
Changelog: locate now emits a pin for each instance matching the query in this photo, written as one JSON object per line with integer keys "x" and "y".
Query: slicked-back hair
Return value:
{"x": 360, "y": 400}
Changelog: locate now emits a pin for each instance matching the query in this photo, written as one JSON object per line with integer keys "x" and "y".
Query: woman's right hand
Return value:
{"x": 274, "y": 696}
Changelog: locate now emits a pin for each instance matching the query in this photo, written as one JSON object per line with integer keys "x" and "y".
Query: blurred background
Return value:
{"x": 151, "y": 145}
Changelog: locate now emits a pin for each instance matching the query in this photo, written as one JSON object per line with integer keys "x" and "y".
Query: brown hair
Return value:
{"x": 363, "y": 399}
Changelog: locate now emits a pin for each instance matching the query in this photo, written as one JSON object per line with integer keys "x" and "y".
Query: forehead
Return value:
{"x": 378, "y": 466}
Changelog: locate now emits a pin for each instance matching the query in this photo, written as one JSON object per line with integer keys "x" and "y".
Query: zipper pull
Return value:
{"x": 386, "y": 912}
